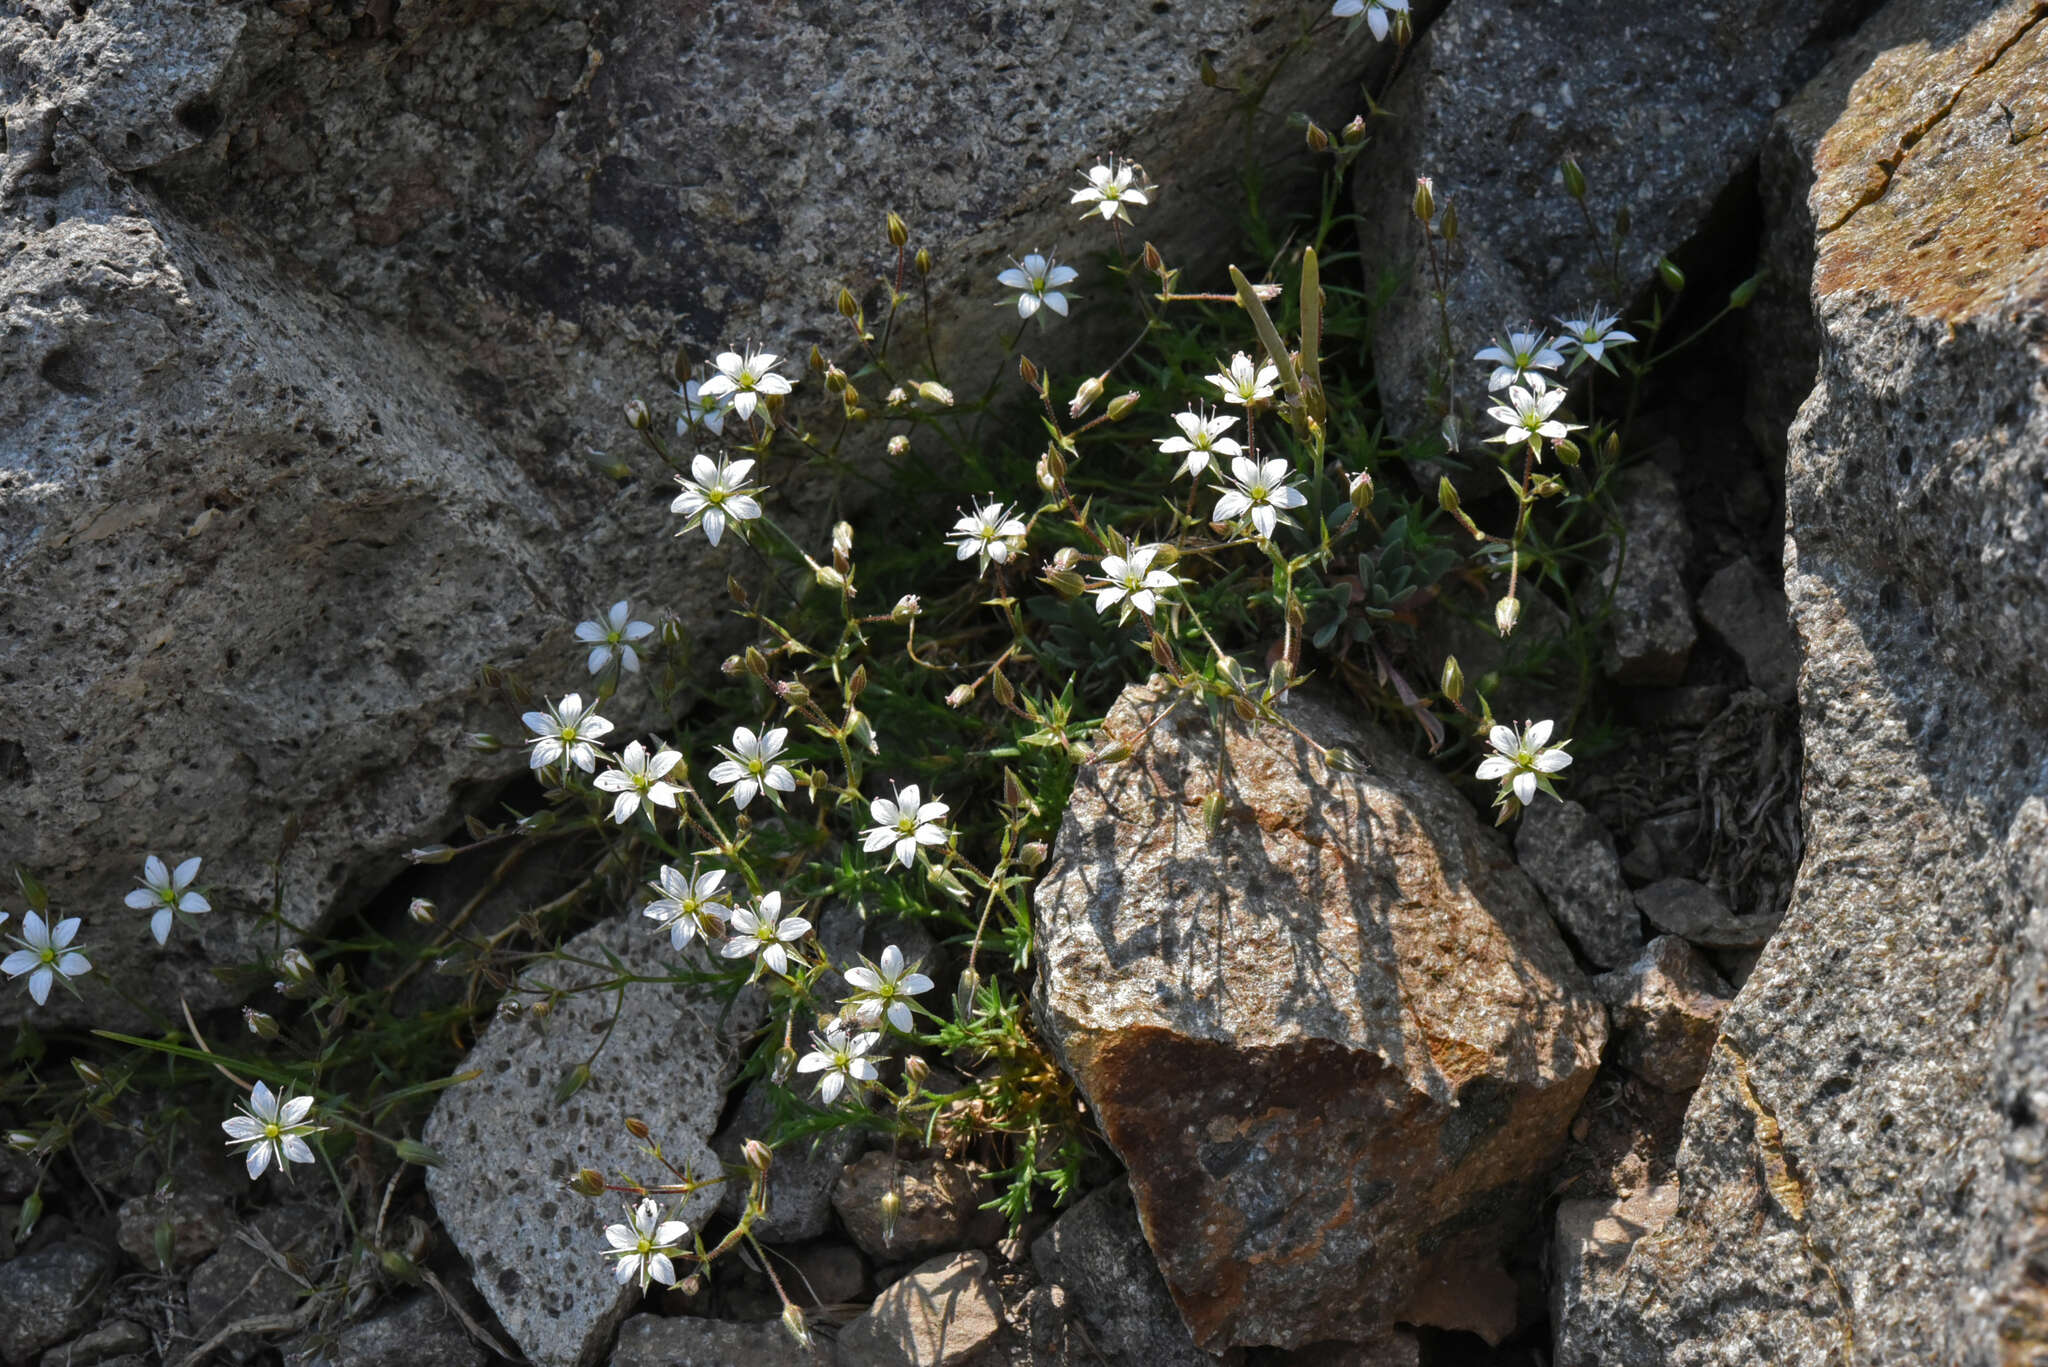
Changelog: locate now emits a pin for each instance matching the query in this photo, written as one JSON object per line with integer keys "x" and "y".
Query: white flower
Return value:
{"x": 1132, "y": 581}
{"x": 639, "y": 776}
{"x": 991, "y": 531}
{"x": 742, "y": 380}
{"x": 566, "y": 729}
{"x": 45, "y": 954}
{"x": 749, "y": 766}
{"x": 614, "y": 634}
{"x": 1039, "y": 282}
{"x": 717, "y": 491}
{"x": 1200, "y": 439}
{"x": 645, "y": 1245}
{"x": 840, "y": 1060}
{"x": 1261, "y": 489}
{"x": 1375, "y": 12}
{"x": 1521, "y": 353}
{"x": 905, "y": 823}
{"x": 1243, "y": 382}
{"x": 1529, "y": 418}
{"x": 885, "y": 987}
{"x": 274, "y": 1128}
{"x": 688, "y": 906}
{"x": 1110, "y": 188}
{"x": 168, "y": 892}
{"x": 701, "y": 410}
{"x": 1590, "y": 338}
{"x": 1522, "y": 762}
{"x": 763, "y": 930}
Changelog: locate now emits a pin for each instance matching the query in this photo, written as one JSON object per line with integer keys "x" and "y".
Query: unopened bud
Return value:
{"x": 896, "y": 397}
{"x": 1032, "y": 855}
{"x": 1085, "y": 396}
{"x": 1361, "y": 491}
{"x": 785, "y": 1064}
{"x": 899, "y": 232}
{"x": 1574, "y": 179}
{"x": 296, "y": 967}
{"x": 679, "y": 369}
{"x": 261, "y": 1024}
{"x": 835, "y": 380}
{"x": 1424, "y": 203}
{"x": 1066, "y": 583}
{"x": 757, "y": 1154}
{"x": 899, "y": 446}
{"x": 1342, "y": 761}
{"x": 1447, "y": 228}
{"x": 421, "y": 910}
{"x": 1567, "y": 450}
{"x": 483, "y": 742}
{"x": 1446, "y": 494}
{"x": 1547, "y": 487}
{"x": 915, "y": 1071}
{"x": 636, "y": 1127}
{"x": 1739, "y": 297}
{"x": 923, "y": 262}
{"x": 960, "y": 696}
{"x": 1453, "y": 681}
{"x": 1506, "y": 613}
{"x": 398, "y": 1267}
{"x": 892, "y": 1208}
{"x": 1668, "y": 272}
{"x": 1120, "y": 405}
{"x": 1027, "y": 371}
{"x": 1212, "y": 813}
{"x": 588, "y": 1182}
{"x": 817, "y": 359}
{"x": 757, "y": 663}
{"x": 431, "y": 854}
{"x": 931, "y": 391}
{"x": 1318, "y": 140}
{"x": 1354, "y": 132}
{"x": 1115, "y": 753}
{"x": 907, "y": 607}
{"x": 89, "y": 1075}
{"x": 637, "y": 416}
{"x": 793, "y": 693}
{"x": 793, "y": 1321}
{"x": 849, "y": 307}
{"x": 1153, "y": 261}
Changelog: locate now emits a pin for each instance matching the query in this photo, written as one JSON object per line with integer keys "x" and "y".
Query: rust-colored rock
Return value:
{"x": 1338, "y": 1043}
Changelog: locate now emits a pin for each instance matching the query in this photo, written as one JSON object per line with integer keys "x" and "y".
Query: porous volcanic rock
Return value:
{"x": 1861, "y": 1175}
{"x": 1338, "y": 1043}
{"x": 315, "y": 323}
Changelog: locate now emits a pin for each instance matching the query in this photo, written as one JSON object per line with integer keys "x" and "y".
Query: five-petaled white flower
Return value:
{"x": 1200, "y": 440}
{"x": 168, "y": 891}
{"x": 701, "y": 410}
{"x": 1131, "y": 581}
{"x": 1245, "y": 382}
{"x": 1260, "y": 490}
{"x": 1523, "y": 763}
{"x": 716, "y": 492}
{"x": 749, "y": 766}
{"x": 1527, "y": 416}
{"x": 612, "y": 634}
{"x": 1589, "y": 338}
{"x": 1039, "y": 284}
{"x": 688, "y": 906}
{"x": 1111, "y": 186}
{"x": 885, "y": 987}
{"x": 566, "y": 730}
{"x": 840, "y": 1059}
{"x": 1375, "y": 12}
{"x": 646, "y": 1245}
{"x": 639, "y": 777}
{"x": 274, "y": 1128}
{"x": 742, "y": 380}
{"x": 905, "y": 822}
{"x": 1520, "y": 354}
{"x": 45, "y": 954}
{"x": 991, "y": 532}
{"x": 763, "y": 930}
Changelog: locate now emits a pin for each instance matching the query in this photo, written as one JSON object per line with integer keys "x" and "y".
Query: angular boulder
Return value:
{"x": 315, "y": 325}
{"x": 1861, "y": 1177}
{"x": 1338, "y": 1043}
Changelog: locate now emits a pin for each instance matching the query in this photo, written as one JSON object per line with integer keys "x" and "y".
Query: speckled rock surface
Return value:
{"x": 1337, "y": 1045}
{"x": 1570, "y": 856}
{"x": 312, "y": 316}
{"x": 1666, "y": 1010}
{"x": 1098, "y": 1271}
{"x": 1650, "y": 635}
{"x": 49, "y": 1295}
{"x": 1663, "y": 105}
{"x": 941, "y": 1315}
{"x": 510, "y": 1148}
{"x": 1861, "y": 1173}
{"x": 687, "y": 1341}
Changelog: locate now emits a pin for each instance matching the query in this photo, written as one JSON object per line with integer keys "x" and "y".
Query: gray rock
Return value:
{"x": 418, "y": 1332}
{"x": 1394, "y": 1347}
{"x": 1348, "y": 1011}
{"x": 1650, "y": 633}
{"x": 1861, "y": 1171}
{"x": 1666, "y": 1010}
{"x": 49, "y": 1295}
{"x": 824, "y": 1274}
{"x": 380, "y": 285}
{"x": 941, "y": 1315}
{"x": 1747, "y": 611}
{"x": 801, "y": 1178}
{"x": 510, "y": 1149}
{"x": 1679, "y": 906}
{"x": 1674, "y": 845}
{"x": 1663, "y": 106}
{"x": 198, "y": 1222}
{"x": 1095, "y": 1256}
{"x": 115, "y": 1339}
{"x": 1593, "y": 1239}
{"x": 1569, "y": 855}
{"x": 243, "y": 1279}
{"x": 688, "y": 1341}
{"x": 18, "y": 1176}
{"x": 939, "y": 1201}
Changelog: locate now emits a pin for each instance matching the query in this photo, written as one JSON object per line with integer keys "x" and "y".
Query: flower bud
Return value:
{"x": 960, "y": 696}
{"x": 1567, "y": 450}
{"x": 483, "y": 742}
{"x": 1120, "y": 405}
{"x": 899, "y": 446}
{"x": 892, "y": 1208}
{"x": 21, "y": 1141}
{"x": 587, "y": 1182}
{"x": 1453, "y": 682}
{"x": 1361, "y": 491}
{"x": 931, "y": 391}
{"x": 1574, "y": 178}
{"x": 1354, "y": 132}
{"x": 1739, "y": 297}
{"x": 793, "y": 1321}
{"x": 923, "y": 262}
{"x": 907, "y": 608}
{"x": 431, "y": 854}
{"x": 421, "y": 910}
{"x": 1066, "y": 583}
{"x": 1547, "y": 487}
{"x": 899, "y": 232}
{"x": 1506, "y": 613}
{"x": 757, "y": 1154}
{"x": 1318, "y": 140}
{"x": 261, "y": 1024}
{"x": 835, "y": 380}
{"x": 680, "y": 369}
{"x": 849, "y": 307}
{"x": 1668, "y": 272}
{"x": 1032, "y": 855}
{"x": 637, "y": 416}
{"x": 1153, "y": 261}
{"x": 1446, "y": 494}
{"x": 785, "y": 1064}
{"x": 1027, "y": 371}
{"x": 793, "y": 693}
{"x": 1424, "y": 203}
{"x": 756, "y": 662}
{"x": 816, "y": 359}
{"x": 636, "y": 1127}
{"x": 296, "y": 967}
{"x": 1448, "y": 227}
{"x": 1342, "y": 761}
{"x": 398, "y": 1267}
{"x": 1212, "y": 813}
{"x": 89, "y": 1075}
{"x": 896, "y": 397}
{"x": 1085, "y": 396}
{"x": 1116, "y": 753}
